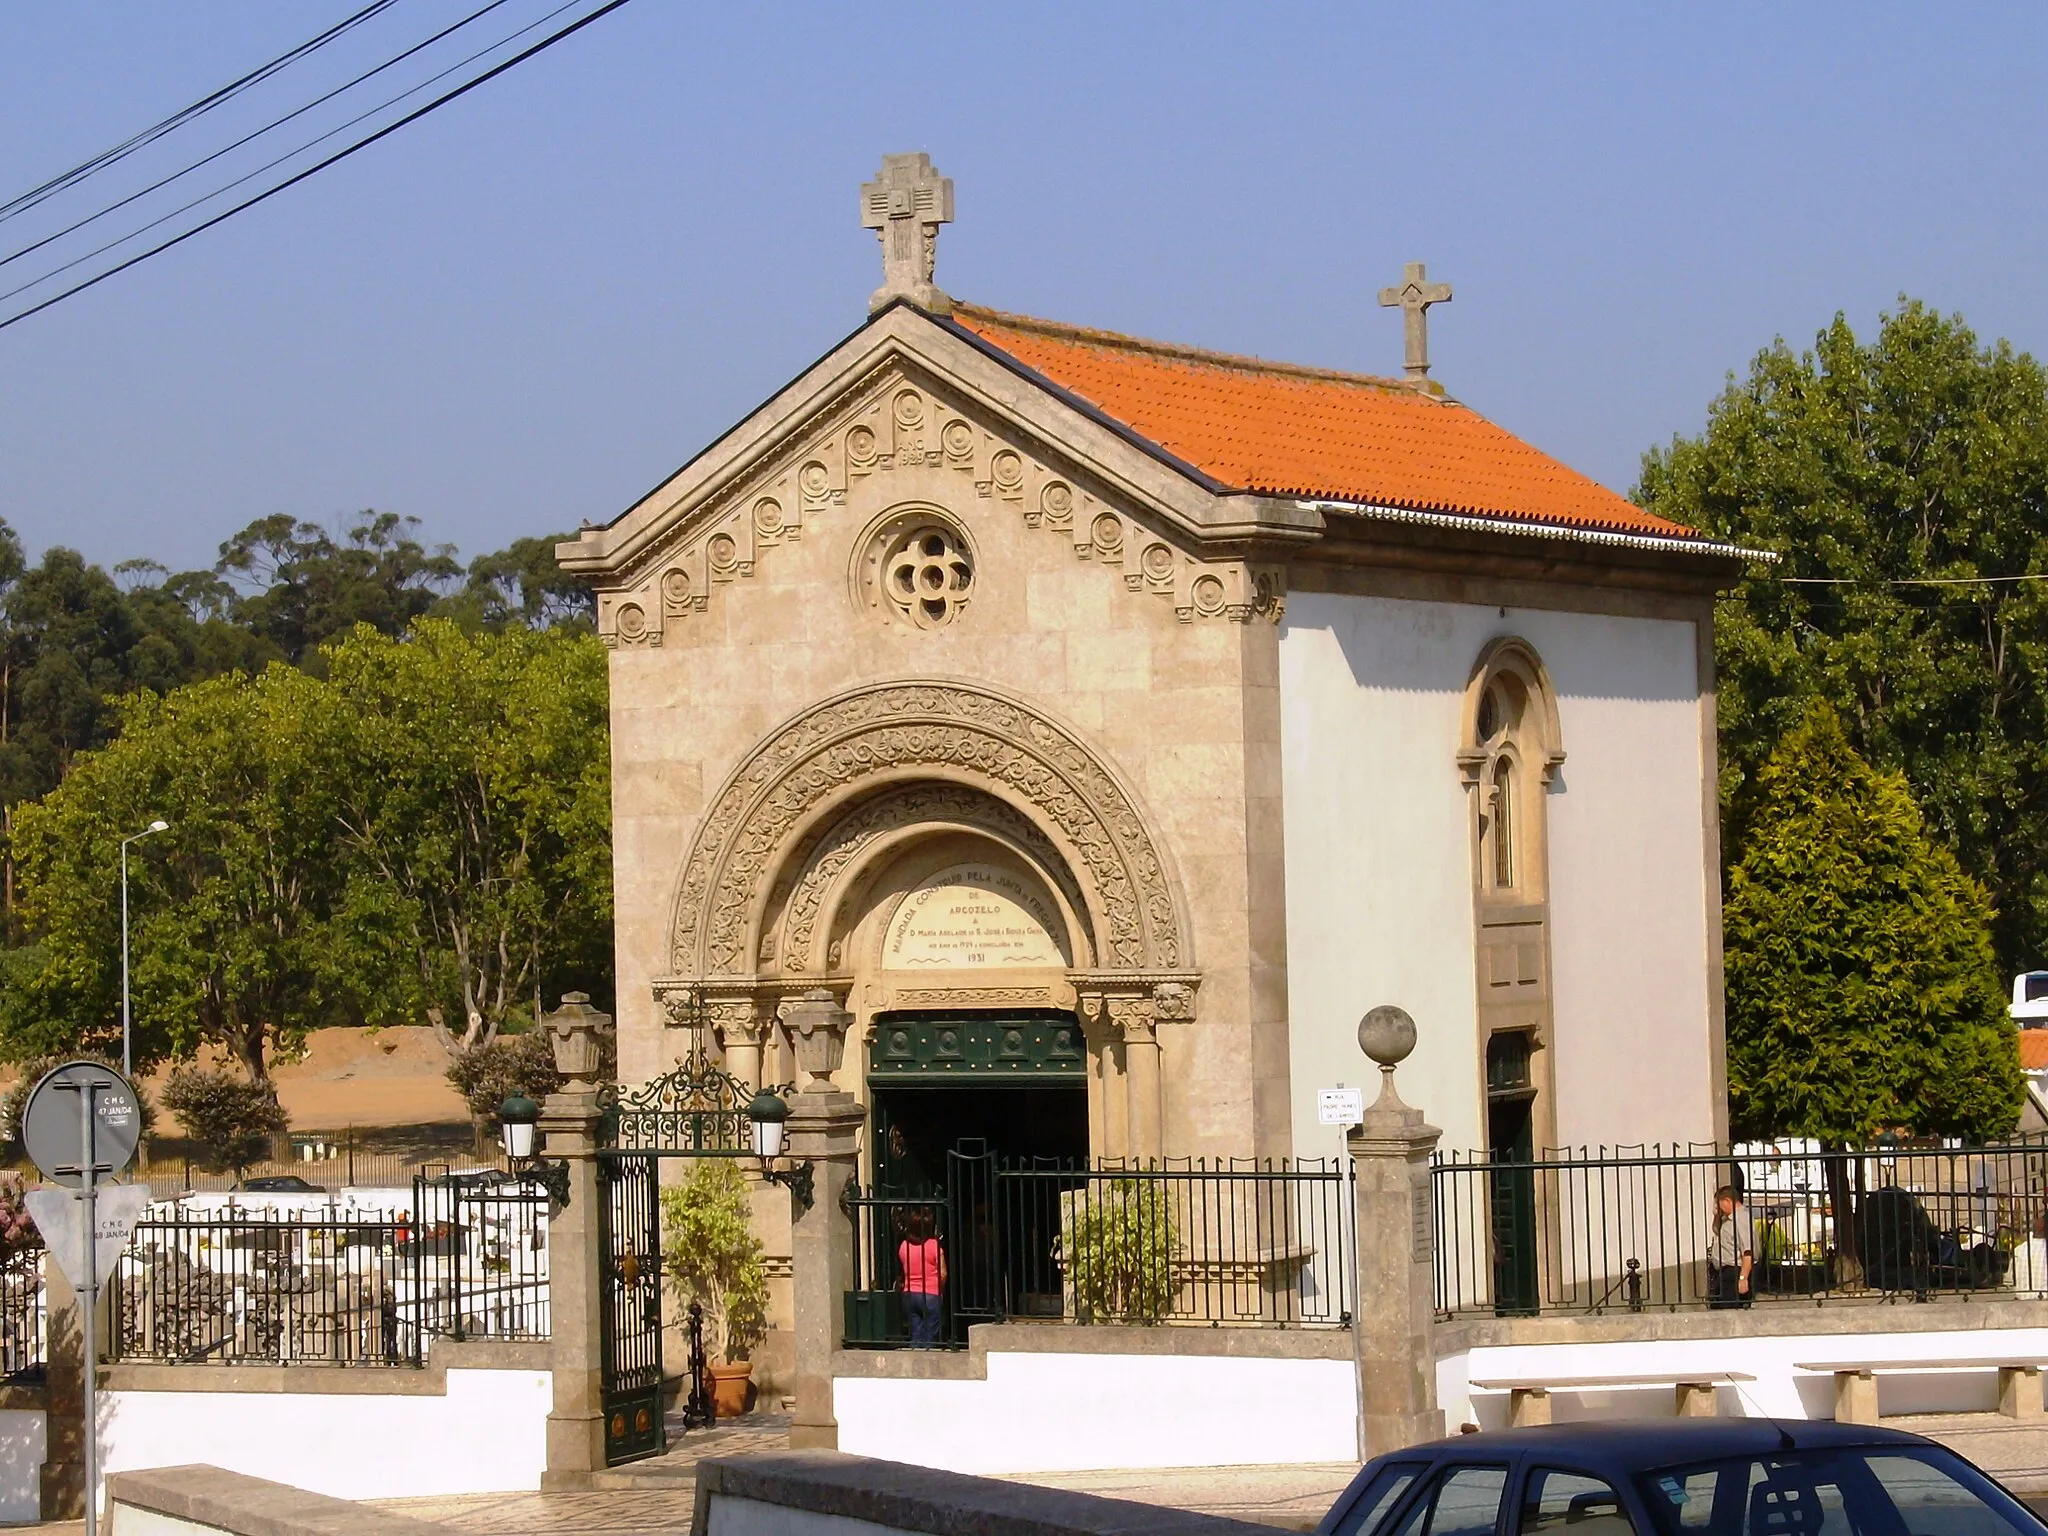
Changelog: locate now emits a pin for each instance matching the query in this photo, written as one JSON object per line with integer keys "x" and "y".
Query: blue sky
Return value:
{"x": 525, "y": 310}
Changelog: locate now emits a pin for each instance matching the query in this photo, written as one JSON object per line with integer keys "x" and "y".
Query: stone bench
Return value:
{"x": 1529, "y": 1396}
{"x": 2019, "y": 1383}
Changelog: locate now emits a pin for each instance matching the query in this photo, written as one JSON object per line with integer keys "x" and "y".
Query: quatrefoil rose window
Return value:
{"x": 919, "y": 567}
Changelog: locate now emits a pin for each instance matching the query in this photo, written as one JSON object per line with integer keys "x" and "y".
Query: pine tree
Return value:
{"x": 1863, "y": 994}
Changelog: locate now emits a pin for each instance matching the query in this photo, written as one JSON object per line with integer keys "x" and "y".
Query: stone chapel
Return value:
{"x": 1109, "y": 723}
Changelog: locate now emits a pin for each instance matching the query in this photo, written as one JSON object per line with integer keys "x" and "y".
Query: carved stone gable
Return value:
{"x": 897, "y": 421}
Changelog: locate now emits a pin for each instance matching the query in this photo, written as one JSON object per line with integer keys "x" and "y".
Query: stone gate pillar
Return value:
{"x": 824, "y": 1130}
{"x": 1396, "y": 1233}
{"x": 568, "y": 1125}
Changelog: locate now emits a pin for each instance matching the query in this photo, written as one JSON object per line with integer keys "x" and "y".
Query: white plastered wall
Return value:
{"x": 1379, "y": 898}
{"x": 486, "y": 1434}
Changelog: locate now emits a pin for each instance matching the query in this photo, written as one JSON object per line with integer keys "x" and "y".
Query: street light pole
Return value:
{"x": 127, "y": 1029}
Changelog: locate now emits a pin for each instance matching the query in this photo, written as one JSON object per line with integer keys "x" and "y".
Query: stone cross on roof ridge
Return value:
{"x": 905, "y": 206}
{"x": 1414, "y": 296}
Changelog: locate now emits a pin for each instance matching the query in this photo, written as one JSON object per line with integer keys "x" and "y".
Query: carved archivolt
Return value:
{"x": 789, "y": 934}
{"x": 955, "y": 733}
{"x": 897, "y": 423}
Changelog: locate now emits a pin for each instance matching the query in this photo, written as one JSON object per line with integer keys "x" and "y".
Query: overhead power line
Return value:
{"x": 313, "y": 170}
{"x": 177, "y": 119}
{"x": 157, "y": 186}
{"x": 290, "y": 154}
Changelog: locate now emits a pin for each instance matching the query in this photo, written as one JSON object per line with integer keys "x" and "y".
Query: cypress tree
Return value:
{"x": 1863, "y": 994}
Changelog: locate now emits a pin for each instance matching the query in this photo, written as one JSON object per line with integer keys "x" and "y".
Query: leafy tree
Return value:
{"x": 233, "y": 1117}
{"x": 488, "y": 1073}
{"x": 1916, "y": 457}
{"x": 311, "y": 587}
{"x": 521, "y": 586}
{"x": 472, "y": 780}
{"x": 1862, "y": 990}
{"x": 231, "y": 934}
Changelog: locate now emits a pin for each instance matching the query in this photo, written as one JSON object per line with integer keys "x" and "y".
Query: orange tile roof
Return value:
{"x": 2033, "y": 1049}
{"x": 1251, "y": 425}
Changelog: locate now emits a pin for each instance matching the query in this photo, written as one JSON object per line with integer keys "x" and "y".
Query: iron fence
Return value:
{"x": 482, "y": 1245}
{"x": 465, "y": 1258}
{"x": 24, "y": 1315}
{"x": 241, "y": 1289}
{"x": 341, "y": 1166}
{"x": 1239, "y": 1243}
{"x": 1635, "y": 1229}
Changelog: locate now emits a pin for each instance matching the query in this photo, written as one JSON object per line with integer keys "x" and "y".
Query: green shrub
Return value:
{"x": 1117, "y": 1245}
{"x": 709, "y": 1249}
{"x": 231, "y": 1116}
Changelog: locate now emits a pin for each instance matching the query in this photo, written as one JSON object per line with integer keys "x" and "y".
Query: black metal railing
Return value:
{"x": 466, "y": 1258}
{"x": 244, "y": 1289}
{"x": 24, "y": 1315}
{"x": 1635, "y": 1229}
{"x": 482, "y": 1245}
{"x": 1267, "y": 1244}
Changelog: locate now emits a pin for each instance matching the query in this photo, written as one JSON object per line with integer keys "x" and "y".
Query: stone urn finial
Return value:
{"x": 1387, "y": 1035}
{"x": 573, "y": 1031}
{"x": 817, "y": 1028}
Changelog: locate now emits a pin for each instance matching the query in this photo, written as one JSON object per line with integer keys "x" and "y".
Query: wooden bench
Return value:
{"x": 2019, "y": 1383}
{"x": 1529, "y": 1397}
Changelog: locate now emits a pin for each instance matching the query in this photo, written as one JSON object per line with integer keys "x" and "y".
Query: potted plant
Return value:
{"x": 711, "y": 1253}
{"x": 1117, "y": 1247}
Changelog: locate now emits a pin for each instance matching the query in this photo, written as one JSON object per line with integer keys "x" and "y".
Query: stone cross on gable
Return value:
{"x": 905, "y": 206}
{"x": 1414, "y": 297}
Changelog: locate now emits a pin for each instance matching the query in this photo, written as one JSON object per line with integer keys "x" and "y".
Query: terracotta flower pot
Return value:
{"x": 729, "y": 1387}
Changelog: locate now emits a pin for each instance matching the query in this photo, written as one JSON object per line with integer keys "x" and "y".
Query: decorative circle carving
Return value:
{"x": 959, "y": 439}
{"x": 1208, "y": 595}
{"x": 1056, "y": 501}
{"x": 958, "y": 733}
{"x": 1008, "y": 469}
{"x": 814, "y": 479}
{"x": 1157, "y": 561}
{"x": 916, "y": 563}
{"x": 675, "y": 587}
{"x": 1107, "y": 531}
{"x": 909, "y": 408}
{"x": 723, "y": 551}
{"x": 860, "y": 445}
{"x": 768, "y": 516}
{"x": 631, "y": 622}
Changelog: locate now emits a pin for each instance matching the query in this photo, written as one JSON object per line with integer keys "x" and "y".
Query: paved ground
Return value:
{"x": 660, "y": 1494}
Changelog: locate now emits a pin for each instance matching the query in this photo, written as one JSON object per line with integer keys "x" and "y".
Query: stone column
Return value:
{"x": 568, "y": 1127}
{"x": 1141, "y": 1076}
{"x": 63, "y": 1398}
{"x": 824, "y": 1130}
{"x": 1396, "y": 1234}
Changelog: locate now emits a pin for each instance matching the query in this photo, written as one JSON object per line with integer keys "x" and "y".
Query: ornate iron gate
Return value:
{"x": 698, "y": 1110}
{"x": 629, "y": 1306}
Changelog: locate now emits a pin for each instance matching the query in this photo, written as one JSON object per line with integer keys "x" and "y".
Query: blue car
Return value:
{"x": 1673, "y": 1477}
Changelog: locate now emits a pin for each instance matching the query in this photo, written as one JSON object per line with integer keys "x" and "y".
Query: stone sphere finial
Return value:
{"x": 1387, "y": 1035}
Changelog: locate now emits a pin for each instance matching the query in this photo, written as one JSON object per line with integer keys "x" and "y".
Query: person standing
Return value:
{"x": 1731, "y": 1251}
{"x": 921, "y": 1260}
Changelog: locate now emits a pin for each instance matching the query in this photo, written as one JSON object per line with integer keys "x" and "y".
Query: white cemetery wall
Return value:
{"x": 1379, "y": 895}
{"x": 1106, "y": 1397}
{"x": 350, "y": 1434}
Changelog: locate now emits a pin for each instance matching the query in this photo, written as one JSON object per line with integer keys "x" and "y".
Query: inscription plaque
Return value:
{"x": 973, "y": 915}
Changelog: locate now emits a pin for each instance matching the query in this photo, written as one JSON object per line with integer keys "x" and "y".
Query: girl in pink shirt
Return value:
{"x": 921, "y": 1258}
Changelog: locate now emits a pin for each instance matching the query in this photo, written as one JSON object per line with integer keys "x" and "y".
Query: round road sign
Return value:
{"x": 50, "y": 1124}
